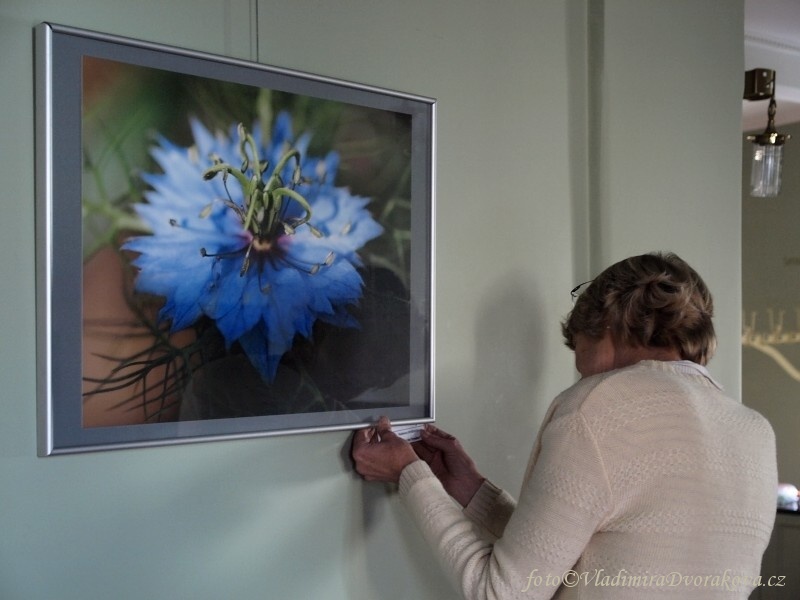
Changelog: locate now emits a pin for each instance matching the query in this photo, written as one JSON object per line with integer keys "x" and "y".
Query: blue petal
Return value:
{"x": 258, "y": 351}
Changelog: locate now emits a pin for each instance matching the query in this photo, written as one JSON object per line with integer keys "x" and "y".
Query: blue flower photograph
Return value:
{"x": 246, "y": 251}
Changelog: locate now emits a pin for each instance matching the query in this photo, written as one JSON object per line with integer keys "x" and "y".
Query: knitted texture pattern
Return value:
{"x": 644, "y": 482}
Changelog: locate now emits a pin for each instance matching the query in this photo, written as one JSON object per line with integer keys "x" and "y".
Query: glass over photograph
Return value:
{"x": 255, "y": 244}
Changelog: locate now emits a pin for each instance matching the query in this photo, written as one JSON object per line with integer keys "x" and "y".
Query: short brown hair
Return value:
{"x": 651, "y": 300}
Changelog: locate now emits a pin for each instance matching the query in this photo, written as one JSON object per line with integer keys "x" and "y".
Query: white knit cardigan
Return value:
{"x": 644, "y": 482}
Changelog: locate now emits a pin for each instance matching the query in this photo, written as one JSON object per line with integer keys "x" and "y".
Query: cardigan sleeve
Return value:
{"x": 561, "y": 505}
{"x": 491, "y": 507}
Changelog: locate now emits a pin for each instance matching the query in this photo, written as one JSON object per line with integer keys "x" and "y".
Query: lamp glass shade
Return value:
{"x": 765, "y": 174}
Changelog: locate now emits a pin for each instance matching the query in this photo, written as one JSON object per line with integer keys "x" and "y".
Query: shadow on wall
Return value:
{"x": 385, "y": 554}
{"x": 511, "y": 356}
{"x": 502, "y": 423}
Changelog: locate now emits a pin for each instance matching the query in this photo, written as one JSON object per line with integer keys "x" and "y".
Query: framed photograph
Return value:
{"x": 225, "y": 249}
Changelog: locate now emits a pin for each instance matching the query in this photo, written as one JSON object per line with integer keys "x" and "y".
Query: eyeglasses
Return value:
{"x": 578, "y": 290}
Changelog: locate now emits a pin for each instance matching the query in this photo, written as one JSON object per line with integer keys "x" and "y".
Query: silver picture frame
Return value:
{"x": 225, "y": 249}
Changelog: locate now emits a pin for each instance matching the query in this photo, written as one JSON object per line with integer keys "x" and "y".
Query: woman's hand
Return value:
{"x": 379, "y": 454}
{"x": 450, "y": 463}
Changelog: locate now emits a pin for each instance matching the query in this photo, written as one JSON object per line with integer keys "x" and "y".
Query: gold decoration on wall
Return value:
{"x": 773, "y": 339}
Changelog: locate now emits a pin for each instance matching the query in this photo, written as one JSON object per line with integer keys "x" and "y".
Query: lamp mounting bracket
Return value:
{"x": 759, "y": 84}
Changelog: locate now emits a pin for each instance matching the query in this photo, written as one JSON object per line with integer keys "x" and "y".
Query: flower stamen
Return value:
{"x": 206, "y": 254}
{"x": 309, "y": 267}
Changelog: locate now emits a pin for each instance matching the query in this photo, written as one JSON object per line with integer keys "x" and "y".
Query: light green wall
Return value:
{"x": 671, "y": 113}
{"x": 571, "y": 133}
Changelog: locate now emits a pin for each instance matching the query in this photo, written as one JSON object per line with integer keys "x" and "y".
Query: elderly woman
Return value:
{"x": 645, "y": 479}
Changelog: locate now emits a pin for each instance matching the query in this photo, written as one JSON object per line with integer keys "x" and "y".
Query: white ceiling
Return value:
{"x": 776, "y": 20}
{"x": 772, "y": 41}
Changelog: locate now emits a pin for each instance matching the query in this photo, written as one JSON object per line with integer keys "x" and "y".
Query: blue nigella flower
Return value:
{"x": 252, "y": 233}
